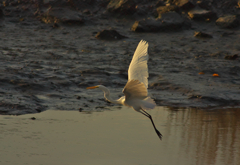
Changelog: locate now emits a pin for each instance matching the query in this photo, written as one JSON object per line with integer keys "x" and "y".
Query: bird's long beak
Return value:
{"x": 93, "y": 87}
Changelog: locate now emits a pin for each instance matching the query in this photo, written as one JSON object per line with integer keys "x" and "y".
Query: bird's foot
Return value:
{"x": 159, "y": 134}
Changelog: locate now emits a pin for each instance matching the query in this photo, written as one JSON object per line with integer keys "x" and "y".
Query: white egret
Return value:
{"x": 135, "y": 91}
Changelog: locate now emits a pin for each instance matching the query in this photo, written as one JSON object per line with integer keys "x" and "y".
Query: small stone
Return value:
{"x": 80, "y": 109}
{"x": 160, "y": 3}
{"x": 229, "y": 21}
{"x": 231, "y": 57}
{"x": 165, "y": 9}
{"x": 170, "y": 21}
{"x": 227, "y": 34}
{"x": 122, "y": 6}
{"x": 109, "y": 35}
{"x": 86, "y": 11}
{"x": 201, "y": 14}
{"x": 184, "y": 4}
{"x": 202, "y": 35}
{"x": 62, "y": 15}
{"x": 138, "y": 27}
{"x": 55, "y": 25}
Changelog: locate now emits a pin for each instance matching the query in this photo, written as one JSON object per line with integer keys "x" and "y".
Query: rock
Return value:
{"x": 86, "y": 11}
{"x": 224, "y": 34}
{"x": 171, "y": 18}
{"x": 204, "y": 4}
{"x": 109, "y": 35}
{"x": 202, "y": 35}
{"x": 62, "y": 15}
{"x": 184, "y": 4}
{"x": 160, "y": 3}
{"x": 170, "y": 21}
{"x": 13, "y": 3}
{"x": 165, "y": 9}
{"x": 92, "y": 5}
{"x": 80, "y": 109}
{"x": 231, "y": 57}
{"x": 229, "y": 21}
{"x": 122, "y": 6}
{"x": 33, "y": 118}
{"x": 201, "y": 14}
{"x": 55, "y": 25}
{"x": 142, "y": 11}
{"x": 145, "y": 26}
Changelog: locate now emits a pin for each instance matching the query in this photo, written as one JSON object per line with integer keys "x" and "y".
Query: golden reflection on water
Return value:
{"x": 122, "y": 136}
{"x": 212, "y": 136}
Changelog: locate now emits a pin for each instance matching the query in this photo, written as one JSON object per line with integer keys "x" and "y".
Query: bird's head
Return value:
{"x": 103, "y": 88}
{"x": 97, "y": 87}
{"x": 93, "y": 87}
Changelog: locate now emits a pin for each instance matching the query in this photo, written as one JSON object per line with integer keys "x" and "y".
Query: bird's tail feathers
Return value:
{"x": 148, "y": 103}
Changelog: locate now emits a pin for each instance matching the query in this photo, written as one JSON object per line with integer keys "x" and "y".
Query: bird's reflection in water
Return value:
{"x": 210, "y": 136}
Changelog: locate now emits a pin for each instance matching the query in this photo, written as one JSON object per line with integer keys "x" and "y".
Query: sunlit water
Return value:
{"x": 122, "y": 136}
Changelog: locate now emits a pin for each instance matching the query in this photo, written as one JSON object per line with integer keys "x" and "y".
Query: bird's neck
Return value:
{"x": 108, "y": 97}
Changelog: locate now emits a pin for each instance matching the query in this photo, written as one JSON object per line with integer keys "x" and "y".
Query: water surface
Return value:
{"x": 122, "y": 136}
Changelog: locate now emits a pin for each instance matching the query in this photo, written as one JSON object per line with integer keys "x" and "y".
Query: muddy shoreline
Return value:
{"x": 49, "y": 65}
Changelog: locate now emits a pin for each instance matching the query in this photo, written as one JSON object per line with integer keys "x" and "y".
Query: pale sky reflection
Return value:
{"x": 122, "y": 136}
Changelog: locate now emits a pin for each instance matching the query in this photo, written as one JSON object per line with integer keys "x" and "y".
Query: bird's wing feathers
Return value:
{"x": 135, "y": 89}
{"x": 148, "y": 103}
{"x": 136, "y": 96}
{"x": 138, "y": 69}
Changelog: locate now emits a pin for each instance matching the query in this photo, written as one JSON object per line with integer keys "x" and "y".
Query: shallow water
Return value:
{"x": 122, "y": 136}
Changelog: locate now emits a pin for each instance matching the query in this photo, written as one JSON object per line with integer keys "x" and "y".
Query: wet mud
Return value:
{"x": 48, "y": 66}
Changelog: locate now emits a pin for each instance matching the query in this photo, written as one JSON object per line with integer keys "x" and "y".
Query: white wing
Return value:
{"x": 135, "y": 91}
{"x": 138, "y": 69}
{"x": 136, "y": 96}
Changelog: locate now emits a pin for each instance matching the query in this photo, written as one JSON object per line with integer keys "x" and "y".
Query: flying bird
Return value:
{"x": 135, "y": 91}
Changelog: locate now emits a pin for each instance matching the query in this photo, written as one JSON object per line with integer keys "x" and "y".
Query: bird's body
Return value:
{"x": 135, "y": 91}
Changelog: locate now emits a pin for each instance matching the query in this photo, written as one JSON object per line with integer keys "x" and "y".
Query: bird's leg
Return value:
{"x": 150, "y": 117}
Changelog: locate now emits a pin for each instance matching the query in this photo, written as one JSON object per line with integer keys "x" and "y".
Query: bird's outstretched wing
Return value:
{"x": 136, "y": 96}
{"x": 134, "y": 90}
{"x": 138, "y": 69}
